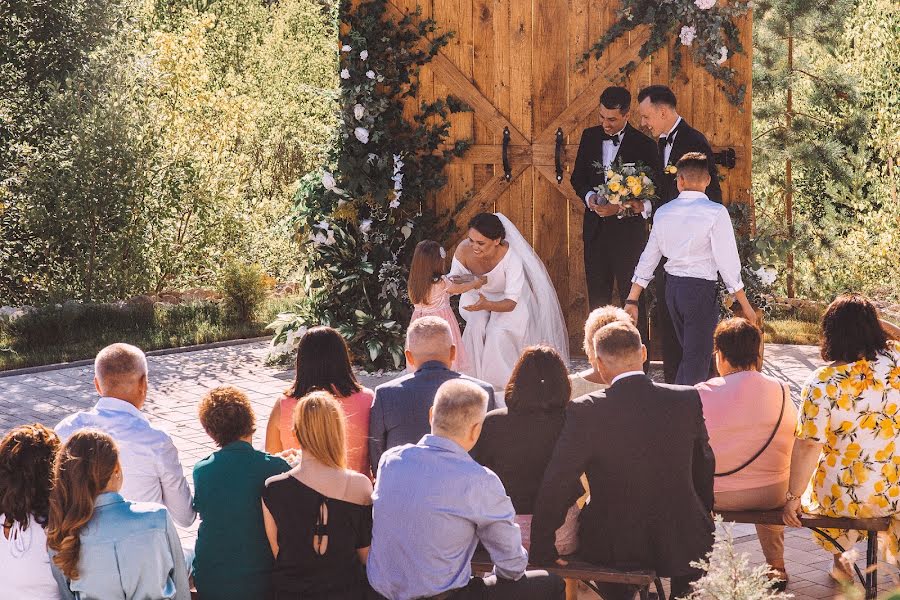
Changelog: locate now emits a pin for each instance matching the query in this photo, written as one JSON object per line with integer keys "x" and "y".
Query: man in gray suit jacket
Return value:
{"x": 400, "y": 409}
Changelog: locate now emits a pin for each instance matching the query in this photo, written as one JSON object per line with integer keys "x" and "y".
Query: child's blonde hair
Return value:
{"x": 427, "y": 269}
{"x": 321, "y": 428}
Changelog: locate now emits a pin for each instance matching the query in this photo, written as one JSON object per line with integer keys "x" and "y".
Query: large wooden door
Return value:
{"x": 515, "y": 62}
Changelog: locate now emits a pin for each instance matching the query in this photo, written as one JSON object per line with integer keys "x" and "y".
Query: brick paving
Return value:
{"x": 177, "y": 381}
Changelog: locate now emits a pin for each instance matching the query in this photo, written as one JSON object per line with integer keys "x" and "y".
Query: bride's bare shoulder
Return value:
{"x": 463, "y": 251}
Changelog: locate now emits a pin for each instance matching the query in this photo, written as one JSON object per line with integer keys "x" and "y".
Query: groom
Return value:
{"x": 612, "y": 245}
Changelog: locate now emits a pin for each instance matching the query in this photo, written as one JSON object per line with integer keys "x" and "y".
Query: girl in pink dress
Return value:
{"x": 430, "y": 289}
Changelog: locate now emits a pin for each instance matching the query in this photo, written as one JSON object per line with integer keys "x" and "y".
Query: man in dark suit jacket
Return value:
{"x": 657, "y": 106}
{"x": 612, "y": 245}
{"x": 400, "y": 410}
{"x": 645, "y": 450}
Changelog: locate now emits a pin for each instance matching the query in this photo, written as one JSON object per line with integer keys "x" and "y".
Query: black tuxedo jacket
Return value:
{"x": 635, "y": 148}
{"x": 687, "y": 140}
{"x": 645, "y": 450}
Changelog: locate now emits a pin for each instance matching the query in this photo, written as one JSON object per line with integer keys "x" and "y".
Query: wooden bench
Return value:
{"x": 586, "y": 572}
{"x": 817, "y": 523}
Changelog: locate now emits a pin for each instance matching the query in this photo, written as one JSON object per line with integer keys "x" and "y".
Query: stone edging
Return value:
{"x": 160, "y": 352}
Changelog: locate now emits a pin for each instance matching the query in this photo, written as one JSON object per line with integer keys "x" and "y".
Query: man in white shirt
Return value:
{"x": 696, "y": 236}
{"x": 150, "y": 465}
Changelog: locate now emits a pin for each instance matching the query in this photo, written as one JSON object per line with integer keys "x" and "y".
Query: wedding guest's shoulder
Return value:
{"x": 391, "y": 385}
{"x": 359, "y": 489}
{"x": 482, "y": 384}
{"x": 277, "y": 479}
{"x": 592, "y": 131}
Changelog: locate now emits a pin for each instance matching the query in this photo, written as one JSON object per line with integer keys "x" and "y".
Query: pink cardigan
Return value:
{"x": 741, "y": 410}
{"x": 356, "y": 407}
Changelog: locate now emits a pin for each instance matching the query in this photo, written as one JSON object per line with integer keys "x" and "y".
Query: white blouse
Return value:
{"x": 25, "y": 564}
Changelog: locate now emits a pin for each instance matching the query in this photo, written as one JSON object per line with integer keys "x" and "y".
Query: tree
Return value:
{"x": 798, "y": 136}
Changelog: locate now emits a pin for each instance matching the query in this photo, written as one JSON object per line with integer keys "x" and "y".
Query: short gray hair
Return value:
{"x": 429, "y": 336}
{"x": 617, "y": 342}
{"x": 119, "y": 364}
{"x": 458, "y": 404}
{"x": 601, "y": 317}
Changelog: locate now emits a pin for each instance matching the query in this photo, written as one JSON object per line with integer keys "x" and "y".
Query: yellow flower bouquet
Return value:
{"x": 624, "y": 183}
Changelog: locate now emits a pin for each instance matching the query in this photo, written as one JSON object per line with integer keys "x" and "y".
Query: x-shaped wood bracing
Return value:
{"x": 522, "y": 152}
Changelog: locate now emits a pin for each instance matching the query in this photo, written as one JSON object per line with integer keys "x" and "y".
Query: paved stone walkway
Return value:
{"x": 177, "y": 381}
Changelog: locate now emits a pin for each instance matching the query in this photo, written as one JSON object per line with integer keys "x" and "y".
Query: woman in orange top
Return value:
{"x": 323, "y": 363}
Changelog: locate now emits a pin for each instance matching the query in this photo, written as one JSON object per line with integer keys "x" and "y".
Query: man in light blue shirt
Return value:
{"x": 433, "y": 504}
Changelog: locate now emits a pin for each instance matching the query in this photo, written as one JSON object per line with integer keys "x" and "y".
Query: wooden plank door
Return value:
{"x": 516, "y": 63}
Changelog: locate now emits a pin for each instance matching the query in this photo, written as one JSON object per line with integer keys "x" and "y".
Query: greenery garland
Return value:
{"x": 360, "y": 219}
{"x": 708, "y": 30}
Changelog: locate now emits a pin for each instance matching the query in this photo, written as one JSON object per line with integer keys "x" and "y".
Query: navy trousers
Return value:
{"x": 695, "y": 313}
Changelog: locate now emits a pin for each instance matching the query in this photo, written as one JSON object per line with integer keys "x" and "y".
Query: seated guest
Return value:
{"x": 516, "y": 442}
{"x": 433, "y": 504}
{"x": 233, "y": 559}
{"x": 26, "y": 463}
{"x": 151, "y": 467}
{"x": 748, "y": 413}
{"x": 323, "y": 363}
{"x": 847, "y": 430}
{"x": 318, "y": 515}
{"x": 646, "y": 454}
{"x": 102, "y": 546}
{"x": 400, "y": 410}
{"x": 590, "y": 380}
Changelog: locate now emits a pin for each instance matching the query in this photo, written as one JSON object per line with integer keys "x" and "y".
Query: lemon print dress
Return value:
{"x": 854, "y": 410}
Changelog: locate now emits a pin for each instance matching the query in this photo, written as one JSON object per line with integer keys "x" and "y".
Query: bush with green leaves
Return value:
{"x": 244, "y": 290}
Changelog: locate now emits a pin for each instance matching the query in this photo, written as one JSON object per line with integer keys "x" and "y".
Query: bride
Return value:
{"x": 515, "y": 308}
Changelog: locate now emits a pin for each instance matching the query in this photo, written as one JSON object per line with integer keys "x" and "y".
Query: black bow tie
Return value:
{"x": 615, "y": 139}
{"x": 668, "y": 140}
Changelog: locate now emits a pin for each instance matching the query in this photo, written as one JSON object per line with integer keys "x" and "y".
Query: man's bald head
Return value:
{"x": 429, "y": 339}
{"x": 120, "y": 371}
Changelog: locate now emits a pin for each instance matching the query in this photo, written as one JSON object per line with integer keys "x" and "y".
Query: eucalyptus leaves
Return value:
{"x": 705, "y": 28}
{"x": 360, "y": 216}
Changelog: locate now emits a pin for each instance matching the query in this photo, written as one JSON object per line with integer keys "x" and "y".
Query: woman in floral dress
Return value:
{"x": 846, "y": 454}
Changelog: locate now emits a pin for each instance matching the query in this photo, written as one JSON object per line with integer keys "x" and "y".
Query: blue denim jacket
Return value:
{"x": 128, "y": 550}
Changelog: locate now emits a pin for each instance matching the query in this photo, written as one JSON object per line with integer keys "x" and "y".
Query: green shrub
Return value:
{"x": 244, "y": 289}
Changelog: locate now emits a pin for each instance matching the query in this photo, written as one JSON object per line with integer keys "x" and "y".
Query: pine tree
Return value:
{"x": 800, "y": 125}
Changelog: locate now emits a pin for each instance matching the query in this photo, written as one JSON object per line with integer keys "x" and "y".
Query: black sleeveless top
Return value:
{"x": 301, "y": 570}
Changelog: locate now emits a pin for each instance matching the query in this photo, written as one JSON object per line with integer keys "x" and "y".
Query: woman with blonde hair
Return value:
{"x": 102, "y": 546}
{"x": 318, "y": 515}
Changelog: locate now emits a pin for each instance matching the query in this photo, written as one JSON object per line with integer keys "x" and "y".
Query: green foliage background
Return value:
{"x": 844, "y": 144}
{"x": 145, "y": 143}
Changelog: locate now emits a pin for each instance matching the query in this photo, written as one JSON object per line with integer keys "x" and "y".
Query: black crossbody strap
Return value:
{"x": 768, "y": 441}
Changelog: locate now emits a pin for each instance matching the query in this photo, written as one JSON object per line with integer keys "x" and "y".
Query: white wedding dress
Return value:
{"x": 495, "y": 340}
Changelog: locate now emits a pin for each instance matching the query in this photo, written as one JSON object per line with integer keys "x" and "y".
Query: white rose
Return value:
{"x": 394, "y": 203}
{"x": 358, "y": 111}
{"x": 362, "y": 134}
{"x": 723, "y": 55}
{"x": 328, "y": 180}
{"x": 370, "y": 74}
{"x": 705, "y": 4}
{"x": 345, "y": 74}
{"x": 322, "y": 225}
{"x": 346, "y": 48}
{"x": 364, "y": 54}
{"x": 365, "y": 226}
{"x": 329, "y": 240}
{"x": 687, "y": 35}
{"x": 321, "y": 239}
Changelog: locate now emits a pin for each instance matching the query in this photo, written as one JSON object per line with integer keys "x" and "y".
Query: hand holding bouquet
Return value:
{"x": 627, "y": 185}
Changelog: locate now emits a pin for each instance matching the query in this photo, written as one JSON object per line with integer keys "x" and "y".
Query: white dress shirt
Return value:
{"x": 626, "y": 374}
{"x": 667, "y": 152}
{"x": 610, "y": 152}
{"x": 696, "y": 236}
{"x": 151, "y": 469}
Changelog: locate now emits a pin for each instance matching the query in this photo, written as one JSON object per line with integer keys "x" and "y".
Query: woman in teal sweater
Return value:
{"x": 233, "y": 559}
